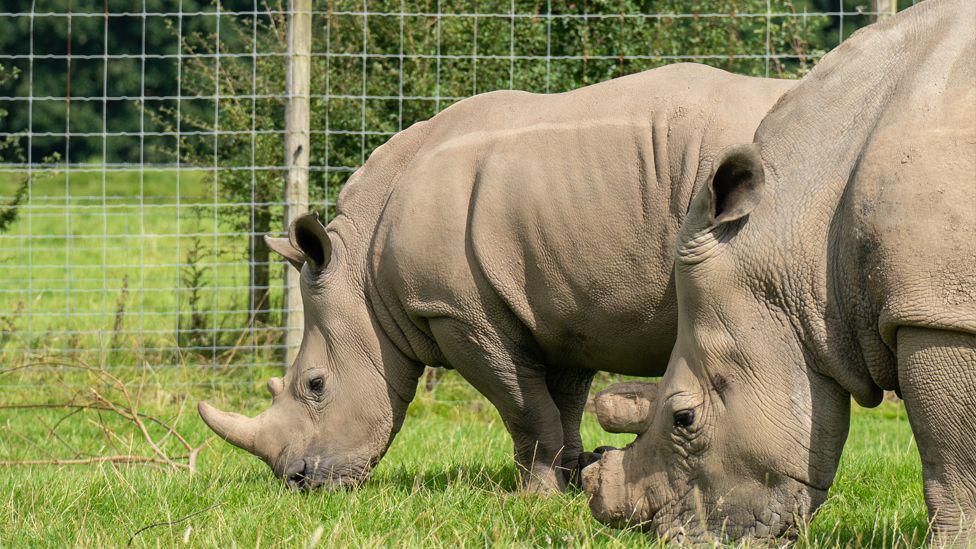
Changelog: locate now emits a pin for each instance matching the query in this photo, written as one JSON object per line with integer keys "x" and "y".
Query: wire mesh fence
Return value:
{"x": 142, "y": 143}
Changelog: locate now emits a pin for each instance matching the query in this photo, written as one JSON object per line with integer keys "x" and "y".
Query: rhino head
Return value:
{"x": 743, "y": 438}
{"x": 338, "y": 407}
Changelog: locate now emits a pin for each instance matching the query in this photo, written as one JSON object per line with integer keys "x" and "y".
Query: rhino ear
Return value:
{"x": 736, "y": 183}
{"x": 307, "y": 234}
{"x": 284, "y": 248}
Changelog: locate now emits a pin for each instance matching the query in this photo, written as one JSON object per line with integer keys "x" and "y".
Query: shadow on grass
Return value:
{"x": 402, "y": 477}
{"x": 497, "y": 478}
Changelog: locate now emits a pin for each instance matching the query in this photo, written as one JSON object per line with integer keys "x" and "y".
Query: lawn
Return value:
{"x": 98, "y": 262}
{"x": 447, "y": 480}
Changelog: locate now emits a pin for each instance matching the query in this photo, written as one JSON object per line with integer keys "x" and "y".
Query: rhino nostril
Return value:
{"x": 295, "y": 481}
{"x": 295, "y": 475}
{"x": 302, "y": 481}
{"x": 588, "y": 458}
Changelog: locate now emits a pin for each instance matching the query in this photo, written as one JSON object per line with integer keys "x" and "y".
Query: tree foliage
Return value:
{"x": 10, "y": 146}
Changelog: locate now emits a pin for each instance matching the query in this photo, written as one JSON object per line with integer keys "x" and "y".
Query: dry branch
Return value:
{"x": 125, "y": 407}
{"x": 84, "y": 461}
{"x": 171, "y": 522}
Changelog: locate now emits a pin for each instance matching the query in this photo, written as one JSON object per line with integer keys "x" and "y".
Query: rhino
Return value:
{"x": 522, "y": 240}
{"x": 831, "y": 258}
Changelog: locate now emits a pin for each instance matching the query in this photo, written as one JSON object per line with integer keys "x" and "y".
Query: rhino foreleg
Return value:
{"x": 943, "y": 419}
{"x": 516, "y": 385}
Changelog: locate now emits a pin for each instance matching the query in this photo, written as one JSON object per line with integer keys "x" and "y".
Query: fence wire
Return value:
{"x": 141, "y": 143}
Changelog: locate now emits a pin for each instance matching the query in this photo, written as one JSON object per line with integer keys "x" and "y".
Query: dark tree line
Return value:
{"x": 126, "y": 37}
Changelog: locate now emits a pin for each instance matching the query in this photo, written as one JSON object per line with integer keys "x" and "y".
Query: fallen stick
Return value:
{"x": 171, "y": 522}
{"x": 84, "y": 461}
{"x": 127, "y": 409}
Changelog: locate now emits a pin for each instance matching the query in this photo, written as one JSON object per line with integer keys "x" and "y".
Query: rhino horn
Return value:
{"x": 626, "y": 407}
{"x": 236, "y": 429}
{"x": 275, "y": 386}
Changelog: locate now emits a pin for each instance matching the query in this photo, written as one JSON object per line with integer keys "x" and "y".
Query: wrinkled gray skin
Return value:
{"x": 523, "y": 240}
{"x": 833, "y": 257}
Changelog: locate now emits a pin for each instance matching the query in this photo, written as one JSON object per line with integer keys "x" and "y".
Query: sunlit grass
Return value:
{"x": 100, "y": 260}
{"x": 447, "y": 480}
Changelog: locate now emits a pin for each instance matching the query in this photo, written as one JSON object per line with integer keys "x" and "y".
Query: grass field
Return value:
{"x": 447, "y": 480}
{"x": 98, "y": 261}
{"x": 91, "y": 246}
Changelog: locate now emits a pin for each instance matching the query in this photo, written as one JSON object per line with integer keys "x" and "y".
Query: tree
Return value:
{"x": 247, "y": 150}
{"x": 10, "y": 148}
{"x": 585, "y": 41}
{"x": 55, "y": 76}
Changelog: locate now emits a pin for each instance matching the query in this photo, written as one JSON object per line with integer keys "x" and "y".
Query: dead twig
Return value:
{"x": 126, "y": 406}
{"x": 84, "y": 461}
{"x": 133, "y": 416}
{"x": 54, "y": 433}
{"x": 170, "y": 522}
{"x": 113, "y": 440}
{"x": 70, "y": 405}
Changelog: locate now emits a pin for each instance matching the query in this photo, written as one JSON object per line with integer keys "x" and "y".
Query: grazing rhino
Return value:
{"x": 523, "y": 240}
{"x": 833, "y": 257}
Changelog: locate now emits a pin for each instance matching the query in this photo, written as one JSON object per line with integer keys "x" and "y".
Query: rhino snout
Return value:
{"x": 315, "y": 472}
{"x": 610, "y": 500}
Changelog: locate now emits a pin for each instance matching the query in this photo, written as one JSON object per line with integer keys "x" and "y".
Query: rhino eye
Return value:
{"x": 316, "y": 384}
{"x": 684, "y": 418}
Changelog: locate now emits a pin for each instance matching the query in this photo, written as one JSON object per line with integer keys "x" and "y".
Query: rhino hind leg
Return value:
{"x": 516, "y": 385}
{"x": 937, "y": 375}
{"x": 569, "y": 388}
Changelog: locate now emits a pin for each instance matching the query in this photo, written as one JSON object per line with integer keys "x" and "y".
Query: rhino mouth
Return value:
{"x": 314, "y": 473}
{"x": 777, "y": 523}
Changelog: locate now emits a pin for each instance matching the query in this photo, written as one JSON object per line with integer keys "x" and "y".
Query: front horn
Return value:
{"x": 626, "y": 407}
{"x": 236, "y": 429}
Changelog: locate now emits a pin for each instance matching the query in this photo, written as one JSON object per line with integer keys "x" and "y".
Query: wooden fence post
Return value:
{"x": 296, "y": 155}
{"x": 885, "y": 8}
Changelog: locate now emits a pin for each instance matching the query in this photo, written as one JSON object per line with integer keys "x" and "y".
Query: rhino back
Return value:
{"x": 576, "y": 240}
{"x": 562, "y": 210}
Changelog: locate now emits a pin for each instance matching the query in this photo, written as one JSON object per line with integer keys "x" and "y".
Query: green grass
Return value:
{"x": 447, "y": 480}
{"x": 96, "y": 262}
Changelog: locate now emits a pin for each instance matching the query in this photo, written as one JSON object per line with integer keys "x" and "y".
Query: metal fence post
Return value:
{"x": 296, "y": 155}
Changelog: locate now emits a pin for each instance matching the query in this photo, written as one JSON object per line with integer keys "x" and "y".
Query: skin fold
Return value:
{"x": 833, "y": 257}
{"x": 523, "y": 240}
